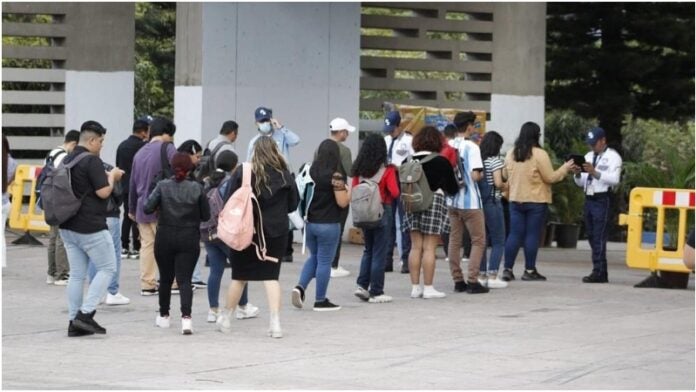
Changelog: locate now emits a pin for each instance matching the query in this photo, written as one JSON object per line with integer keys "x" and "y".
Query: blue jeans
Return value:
{"x": 322, "y": 241}
{"x": 526, "y": 222}
{"x": 114, "y": 225}
{"x": 596, "y": 216}
{"x": 80, "y": 249}
{"x": 196, "y": 277}
{"x": 495, "y": 233}
{"x": 218, "y": 254}
{"x": 372, "y": 263}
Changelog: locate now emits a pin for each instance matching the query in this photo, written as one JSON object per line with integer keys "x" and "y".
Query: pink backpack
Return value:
{"x": 236, "y": 226}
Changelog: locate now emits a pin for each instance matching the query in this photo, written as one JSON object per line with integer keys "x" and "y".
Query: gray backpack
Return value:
{"x": 58, "y": 200}
{"x": 416, "y": 194}
{"x": 366, "y": 202}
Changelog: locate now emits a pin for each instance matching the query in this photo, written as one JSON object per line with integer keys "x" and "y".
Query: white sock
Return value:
{"x": 428, "y": 288}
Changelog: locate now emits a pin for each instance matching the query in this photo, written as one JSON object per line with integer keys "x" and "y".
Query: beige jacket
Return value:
{"x": 530, "y": 181}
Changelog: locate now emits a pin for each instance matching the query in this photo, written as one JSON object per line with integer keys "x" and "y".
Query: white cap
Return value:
{"x": 340, "y": 124}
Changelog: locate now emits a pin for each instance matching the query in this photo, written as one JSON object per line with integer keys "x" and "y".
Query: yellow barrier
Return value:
{"x": 656, "y": 258}
{"x": 31, "y": 220}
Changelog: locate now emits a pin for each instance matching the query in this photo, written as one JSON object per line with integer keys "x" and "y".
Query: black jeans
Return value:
{"x": 344, "y": 217}
{"x": 127, "y": 227}
{"x": 176, "y": 252}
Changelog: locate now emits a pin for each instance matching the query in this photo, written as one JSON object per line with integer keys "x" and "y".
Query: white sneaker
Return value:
{"x": 496, "y": 283}
{"x": 223, "y": 321}
{"x": 212, "y": 315}
{"x": 380, "y": 299}
{"x": 60, "y": 282}
{"x": 162, "y": 322}
{"x": 186, "y": 326}
{"x": 362, "y": 293}
{"x": 339, "y": 272}
{"x": 117, "y": 299}
{"x": 417, "y": 292}
{"x": 274, "y": 329}
{"x": 50, "y": 279}
{"x": 430, "y": 293}
{"x": 248, "y": 311}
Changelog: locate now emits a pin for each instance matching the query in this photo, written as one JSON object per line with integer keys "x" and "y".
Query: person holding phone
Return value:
{"x": 597, "y": 176}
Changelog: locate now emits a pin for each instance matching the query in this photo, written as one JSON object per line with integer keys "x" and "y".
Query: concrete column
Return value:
{"x": 299, "y": 59}
{"x": 519, "y": 61}
{"x": 99, "y": 78}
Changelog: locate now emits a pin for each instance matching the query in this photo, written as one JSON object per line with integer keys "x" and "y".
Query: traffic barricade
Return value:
{"x": 30, "y": 219}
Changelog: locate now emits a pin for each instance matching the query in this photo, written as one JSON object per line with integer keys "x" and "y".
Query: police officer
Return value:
{"x": 600, "y": 172}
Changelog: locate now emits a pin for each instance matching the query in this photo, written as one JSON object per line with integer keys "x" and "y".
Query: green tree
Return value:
{"x": 155, "y": 32}
{"x": 609, "y": 60}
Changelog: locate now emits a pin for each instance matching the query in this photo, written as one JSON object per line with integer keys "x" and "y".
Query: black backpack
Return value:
{"x": 45, "y": 170}
{"x": 59, "y": 201}
{"x": 207, "y": 164}
{"x": 165, "y": 172}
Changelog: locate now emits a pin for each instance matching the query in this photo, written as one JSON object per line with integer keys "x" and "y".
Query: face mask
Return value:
{"x": 265, "y": 127}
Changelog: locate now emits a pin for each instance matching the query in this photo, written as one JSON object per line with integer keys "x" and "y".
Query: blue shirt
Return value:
{"x": 469, "y": 197}
{"x": 284, "y": 139}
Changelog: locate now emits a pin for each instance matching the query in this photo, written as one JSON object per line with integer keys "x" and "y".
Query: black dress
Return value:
{"x": 275, "y": 206}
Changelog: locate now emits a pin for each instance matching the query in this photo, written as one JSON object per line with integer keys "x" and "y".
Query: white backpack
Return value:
{"x": 366, "y": 202}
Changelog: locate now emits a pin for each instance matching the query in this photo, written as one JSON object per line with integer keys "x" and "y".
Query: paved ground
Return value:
{"x": 559, "y": 334}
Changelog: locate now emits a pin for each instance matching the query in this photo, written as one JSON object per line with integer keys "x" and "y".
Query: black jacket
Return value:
{"x": 124, "y": 157}
{"x": 275, "y": 205}
{"x": 180, "y": 204}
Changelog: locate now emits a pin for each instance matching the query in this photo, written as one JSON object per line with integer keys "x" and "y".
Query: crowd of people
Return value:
{"x": 431, "y": 186}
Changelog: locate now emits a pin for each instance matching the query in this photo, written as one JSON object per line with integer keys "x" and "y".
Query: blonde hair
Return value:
{"x": 266, "y": 155}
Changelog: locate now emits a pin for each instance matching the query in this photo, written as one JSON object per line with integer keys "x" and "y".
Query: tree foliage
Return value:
{"x": 155, "y": 31}
{"x": 609, "y": 60}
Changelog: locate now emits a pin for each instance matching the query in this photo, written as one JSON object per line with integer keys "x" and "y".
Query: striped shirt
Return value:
{"x": 468, "y": 198}
{"x": 491, "y": 165}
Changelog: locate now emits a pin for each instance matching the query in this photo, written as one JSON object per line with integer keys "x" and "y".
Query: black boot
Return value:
{"x": 85, "y": 322}
{"x": 75, "y": 332}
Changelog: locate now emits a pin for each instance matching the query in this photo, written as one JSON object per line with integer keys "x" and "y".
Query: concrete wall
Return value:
{"x": 519, "y": 61}
{"x": 299, "y": 59}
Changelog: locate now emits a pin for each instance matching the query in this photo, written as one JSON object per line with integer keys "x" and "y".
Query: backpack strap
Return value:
{"x": 246, "y": 174}
{"x": 75, "y": 160}
{"x": 216, "y": 149}
{"x": 429, "y": 158}
{"x": 377, "y": 177}
{"x": 163, "y": 157}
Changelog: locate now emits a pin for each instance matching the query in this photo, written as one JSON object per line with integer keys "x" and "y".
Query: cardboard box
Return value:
{"x": 355, "y": 236}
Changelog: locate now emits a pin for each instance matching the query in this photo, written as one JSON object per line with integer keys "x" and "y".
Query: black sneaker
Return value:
{"x": 325, "y": 306}
{"x": 286, "y": 259}
{"x": 76, "y": 332}
{"x": 476, "y": 288}
{"x": 389, "y": 267}
{"x": 507, "y": 275}
{"x": 404, "y": 270}
{"x": 460, "y": 287}
{"x": 199, "y": 284}
{"x": 85, "y": 322}
{"x": 532, "y": 275}
{"x": 595, "y": 278}
{"x": 148, "y": 292}
{"x": 298, "y": 297}
{"x": 124, "y": 253}
{"x": 134, "y": 255}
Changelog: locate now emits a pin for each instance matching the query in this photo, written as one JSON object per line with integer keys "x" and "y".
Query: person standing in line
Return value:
{"x": 322, "y": 229}
{"x": 530, "y": 175}
{"x": 426, "y": 226}
{"x": 284, "y": 138}
{"x": 181, "y": 206}
{"x": 491, "y": 187}
{"x": 597, "y": 180}
{"x": 86, "y": 234}
{"x": 370, "y": 163}
{"x": 217, "y": 252}
{"x": 124, "y": 159}
{"x": 276, "y": 192}
{"x": 147, "y": 164}
{"x": 58, "y": 268}
{"x": 226, "y": 139}
{"x": 399, "y": 147}
{"x": 340, "y": 129}
{"x": 113, "y": 224}
{"x": 9, "y": 167}
{"x": 450, "y": 133}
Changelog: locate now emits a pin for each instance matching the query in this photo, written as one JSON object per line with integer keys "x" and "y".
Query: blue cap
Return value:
{"x": 146, "y": 118}
{"x": 594, "y": 135}
{"x": 391, "y": 121}
{"x": 263, "y": 114}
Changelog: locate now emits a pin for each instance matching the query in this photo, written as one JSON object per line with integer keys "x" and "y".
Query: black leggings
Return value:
{"x": 176, "y": 251}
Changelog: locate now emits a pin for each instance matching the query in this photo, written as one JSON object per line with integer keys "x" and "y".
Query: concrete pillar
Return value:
{"x": 99, "y": 78}
{"x": 519, "y": 61}
{"x": 299, "y": 59}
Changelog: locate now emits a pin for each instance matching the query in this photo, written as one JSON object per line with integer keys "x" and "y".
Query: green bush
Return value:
{"x": 563, "y": 129}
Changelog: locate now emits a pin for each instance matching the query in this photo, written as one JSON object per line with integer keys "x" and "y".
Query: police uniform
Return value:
{"x": 597, "y": 190}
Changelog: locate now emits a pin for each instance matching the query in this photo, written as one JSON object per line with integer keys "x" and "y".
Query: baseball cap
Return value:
{"x": 263, "y": 114}
{"x": 391, "y": 121}
{"x": 340, "y": 124}
{"x": 146, "y": 119}
{"x": 593, "y": 135}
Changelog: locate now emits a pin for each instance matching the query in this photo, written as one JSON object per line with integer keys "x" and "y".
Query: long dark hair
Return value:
{"x": 5, "y": 159}
{"x": 226, "y": 161}
{"x": 327, "y": 160}
{"x": 528, "y": 139}
{"x": 372, "y": 155}
{"x": 490, "y": 145}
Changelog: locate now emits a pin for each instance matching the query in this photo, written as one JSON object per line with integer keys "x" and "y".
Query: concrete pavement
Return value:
{"x": 559, "y": 334}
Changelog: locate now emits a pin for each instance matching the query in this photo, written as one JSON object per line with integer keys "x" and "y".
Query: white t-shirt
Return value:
{"x": 401, "y": 149}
